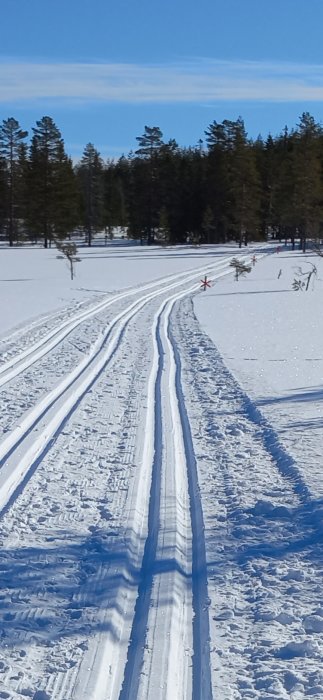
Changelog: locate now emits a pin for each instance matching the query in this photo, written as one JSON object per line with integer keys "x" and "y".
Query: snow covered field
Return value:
{"x": 161, "y": 487}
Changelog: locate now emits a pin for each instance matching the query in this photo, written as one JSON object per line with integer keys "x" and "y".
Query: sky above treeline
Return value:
{"x": 103, "y": 71}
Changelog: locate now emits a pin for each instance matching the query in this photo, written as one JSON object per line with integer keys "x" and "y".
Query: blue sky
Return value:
{"x": 104, "y": 70}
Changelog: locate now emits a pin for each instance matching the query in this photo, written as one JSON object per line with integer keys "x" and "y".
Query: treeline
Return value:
{"x": 228, "y": 187}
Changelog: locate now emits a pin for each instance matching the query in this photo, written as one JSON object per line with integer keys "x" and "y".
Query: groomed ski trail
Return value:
{"x": 176, "y": 537}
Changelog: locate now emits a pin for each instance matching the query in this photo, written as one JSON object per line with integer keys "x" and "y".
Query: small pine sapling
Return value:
{"x": 240, "y": 268}
{"x": 68, "y": 250}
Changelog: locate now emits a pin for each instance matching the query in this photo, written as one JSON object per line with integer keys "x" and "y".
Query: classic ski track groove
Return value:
{"x": 201, "y": 674}
{"x": 166, "y": 486}
{"x": 13, "y": 367}
{"x": 165, "y": 568}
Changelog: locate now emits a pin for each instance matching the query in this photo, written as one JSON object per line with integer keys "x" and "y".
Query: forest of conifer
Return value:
{"x": 227, "y": 187}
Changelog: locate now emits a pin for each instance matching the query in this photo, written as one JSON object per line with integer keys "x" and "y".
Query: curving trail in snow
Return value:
{"x": 151, "y": 517}
{"x": 49, "y": 414}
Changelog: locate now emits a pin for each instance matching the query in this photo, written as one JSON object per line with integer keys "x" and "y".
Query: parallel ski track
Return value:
{"x": 13, "y": 367}
{"x": 41, "y": 425}
{"x": 201, "y": 681}
{"x": 167, "y": 542}
{"x": 162, "y": 568}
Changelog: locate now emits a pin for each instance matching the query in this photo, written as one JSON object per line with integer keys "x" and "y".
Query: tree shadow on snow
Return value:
{"x": 300, "y": 426}
{"x": 258, "y": 291}
{"x": 314, "y": 394}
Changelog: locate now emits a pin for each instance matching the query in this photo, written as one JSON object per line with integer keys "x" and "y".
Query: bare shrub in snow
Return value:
{"x": 302, "y": 280}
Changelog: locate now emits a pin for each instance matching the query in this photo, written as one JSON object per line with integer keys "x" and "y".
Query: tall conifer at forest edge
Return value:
{"x": 150, "y": 144}
{"x": 51, "y": 186}
{"x": 11, "y": 140}
{"x": 307, "y": 166}
{"x": 90, "y": 176}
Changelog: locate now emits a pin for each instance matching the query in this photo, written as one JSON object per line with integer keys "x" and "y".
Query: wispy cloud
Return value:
{"x": 191, "y": 81}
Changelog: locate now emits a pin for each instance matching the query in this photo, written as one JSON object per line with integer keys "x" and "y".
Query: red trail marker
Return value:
{"x": 205, "y": 283}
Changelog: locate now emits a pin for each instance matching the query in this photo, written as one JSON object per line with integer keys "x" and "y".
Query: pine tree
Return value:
{"x": 263, "y": 158}
{"x": 11, "y": 140}
{"x": 67, "y": 216}
{"x": 282, "y": 188}
{"x": 240, "y": 268}
{"x": 52, "y": 208}
{"x": 192, "y": 190}
{"x": 148, "y": 152}
{"x": 21, "y": 189}
{"x": 244, "y": 185}
{"x": 90, "y": 175}
{"x": 115, "y": 212}
{"x": 235, "y": 200}
{"x": 69, "y": 252}
{"x": 169, "y": 189}
{"x": 149, "y": 143}
{"x": 3, "y": 196}
{"x": 217, "y": 179}
{"x": 308, "y": 199}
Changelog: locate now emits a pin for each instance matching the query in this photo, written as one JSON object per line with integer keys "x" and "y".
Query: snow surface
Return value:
{"x": 160, "y": 485}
